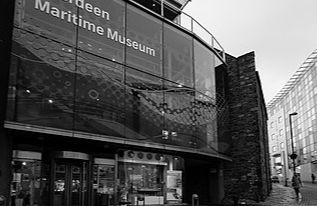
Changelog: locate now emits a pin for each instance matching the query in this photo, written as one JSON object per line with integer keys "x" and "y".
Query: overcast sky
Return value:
{"x": 282, "y": 33}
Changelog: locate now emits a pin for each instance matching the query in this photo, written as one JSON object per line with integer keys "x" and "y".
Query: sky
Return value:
{"x": 282, "y": 33}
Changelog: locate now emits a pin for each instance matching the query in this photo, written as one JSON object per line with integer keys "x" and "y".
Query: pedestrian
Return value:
{"x": 296, "y": 183}
{"x": 313, "y": 178}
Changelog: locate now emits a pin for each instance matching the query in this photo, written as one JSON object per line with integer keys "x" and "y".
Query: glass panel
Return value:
{"x": 174, "y": 186}
{"x": 53, "y": 19}
{"x": 144, "y": 41}
{"x": 204, "y": 71}
{"x": 141, "y": 183}
{"x": 60, "y": 187}
{"x": 29, "y": 184}
{"x": 100, "y": 96}
{"x": 42, "y": 84}
{"x": 143, "y": 105}
{"x": 146, "y": 178}
{"x": 179, "y": 118}
{"x": 102, "y": 30}
{"x": 76, "y": 185}
{"x": 206, "y": 124}
{"x": 103, "y": 185}
{"x": 178, "y": 57}
{"x": 70, "y": 184}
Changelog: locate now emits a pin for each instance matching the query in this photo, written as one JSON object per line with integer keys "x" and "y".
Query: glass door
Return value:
{"x": 103, "y": 184}
{"x": 70, "y": 183}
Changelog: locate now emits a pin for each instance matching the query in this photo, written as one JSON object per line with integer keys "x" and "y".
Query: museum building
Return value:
{"x": 109, "y": 103}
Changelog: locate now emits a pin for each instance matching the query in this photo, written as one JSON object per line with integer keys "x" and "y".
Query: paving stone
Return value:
{"x": 282, "y": 195}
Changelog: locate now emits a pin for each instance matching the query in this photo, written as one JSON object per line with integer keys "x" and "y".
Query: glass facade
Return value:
{"x": 109, "y": 68}
{"x": 300, "y": 98}
{"x": 149, "y": 178}
{"x": 30, "y": 179}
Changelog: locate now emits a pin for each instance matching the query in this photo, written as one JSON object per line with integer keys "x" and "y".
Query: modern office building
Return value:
{"x": 292, "y": 124}
{"x": 115, "y": 102}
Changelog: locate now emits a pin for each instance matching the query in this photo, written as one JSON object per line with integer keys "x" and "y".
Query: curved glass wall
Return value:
{"x": 108, "y": 68}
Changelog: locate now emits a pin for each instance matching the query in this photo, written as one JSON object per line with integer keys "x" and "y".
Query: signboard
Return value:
{"x": 96, "y": 26}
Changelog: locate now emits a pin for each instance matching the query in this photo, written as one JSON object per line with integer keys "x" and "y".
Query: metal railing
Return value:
{"x": 189, "y": 23}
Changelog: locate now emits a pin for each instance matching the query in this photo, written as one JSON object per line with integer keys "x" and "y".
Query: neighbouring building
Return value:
{"x": 125, "y": 102}
{"x": 295, "y": 105}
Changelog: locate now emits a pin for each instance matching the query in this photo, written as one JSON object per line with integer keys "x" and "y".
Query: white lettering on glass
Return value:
{"x": 78, "y": 20}
{"x": 115, "y": 36}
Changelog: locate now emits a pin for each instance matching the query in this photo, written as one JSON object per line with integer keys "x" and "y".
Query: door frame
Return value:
{"x": 69, "y": 158}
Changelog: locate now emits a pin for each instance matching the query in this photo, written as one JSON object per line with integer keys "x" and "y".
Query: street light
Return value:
{"x": 293, "y": 155}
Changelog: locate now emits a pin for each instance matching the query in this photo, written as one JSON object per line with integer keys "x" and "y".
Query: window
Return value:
{"x": 272, "y": 124}
{"x": 282, "y": 145}
{"x": 274, "y": 148}
{"x": 279, "y": 119}
{"x": 281, "y": 132}
{"x": 273, "y": 136}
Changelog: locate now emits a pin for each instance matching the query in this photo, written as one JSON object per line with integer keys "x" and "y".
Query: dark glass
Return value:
{"x": 29, "y": 183}
{"x": 144, "y": 41}
{"x": 102, "y": 29}
{"x": 140, "y": 183}
{"x": 144, "y": 104}
{"x": 103, "y": 185}
{"x": 204, "y": 70}
{"x": 42, "y": 84}
{"x": 100, "y": 96}
{"x": 70, "y": 184}
{"x": 178, "y": 57}
{"x": 53, "y": 19}
{"x": 179, "y": 119}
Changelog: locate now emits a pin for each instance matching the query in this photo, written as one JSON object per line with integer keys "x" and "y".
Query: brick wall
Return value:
{"x": 247, "y": 176}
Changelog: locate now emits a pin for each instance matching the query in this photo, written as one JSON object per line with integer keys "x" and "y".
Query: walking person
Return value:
{"x": 296, "y": 183}
{"x": 313, "y": 178}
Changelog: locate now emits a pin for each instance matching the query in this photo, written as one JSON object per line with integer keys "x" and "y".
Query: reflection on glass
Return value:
{"x": 29, "y": 184}
{"x": 74, "y": 78}
{"x": 100, "y": 96}
{"x": 76, "y": 185}
{"x": 70, "y": 184}
{"x": 174, "y": 186}
{"x": 204, "y": 71}
{"x": 32, "y": 16}
{"x": 41, "y": 87}
{"x": 178, "y": 57}
{"x": 59, "y": 185}
{"x": 143, "y": 41}
{"x": 143, "y": 105}
{"x": 141, "y": 180}
{"x": 103, "y": 185}
{"x": 105, "y": 35}
{"x": 149, "y": 178}
{"x": 179, "y": 115}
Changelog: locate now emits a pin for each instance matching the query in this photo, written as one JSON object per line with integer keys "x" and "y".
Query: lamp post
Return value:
{"x": 293, "y": 155}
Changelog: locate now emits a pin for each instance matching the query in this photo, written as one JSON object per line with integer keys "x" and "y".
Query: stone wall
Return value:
{"x": 247, "y": 176}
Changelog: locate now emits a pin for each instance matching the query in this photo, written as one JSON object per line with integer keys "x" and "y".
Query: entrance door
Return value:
{"x": 70, "y": 183}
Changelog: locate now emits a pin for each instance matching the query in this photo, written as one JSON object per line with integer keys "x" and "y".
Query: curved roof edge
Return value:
{"x": 294, "y": 79}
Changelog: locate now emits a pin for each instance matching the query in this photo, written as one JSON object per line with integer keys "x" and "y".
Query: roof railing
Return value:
{"x": 190, "y": 24}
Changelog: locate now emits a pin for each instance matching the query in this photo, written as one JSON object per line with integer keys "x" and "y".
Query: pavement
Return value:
{"x": 282, "y": 195}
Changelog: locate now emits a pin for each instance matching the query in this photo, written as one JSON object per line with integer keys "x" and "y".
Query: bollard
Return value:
{"x": 195, "y": 200}
{"x": 2, "y": 200}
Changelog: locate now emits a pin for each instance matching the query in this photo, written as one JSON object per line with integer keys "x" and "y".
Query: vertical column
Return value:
{"x": 6, "y": 25}
{"x": 5, "y": 166}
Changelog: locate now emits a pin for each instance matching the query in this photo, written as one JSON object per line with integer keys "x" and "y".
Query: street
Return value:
{"x": 282, "y": 195}
{"x": 309, "y": 194}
